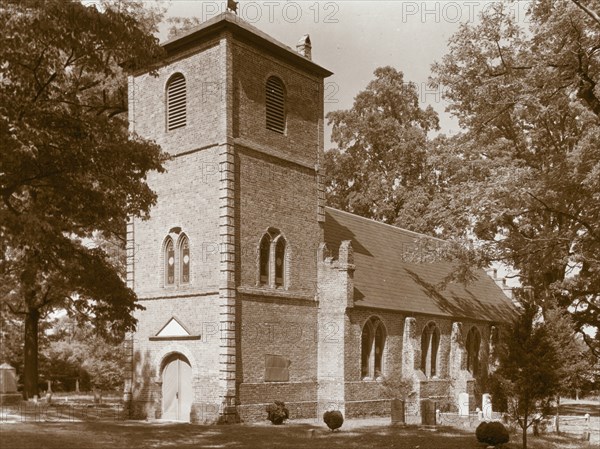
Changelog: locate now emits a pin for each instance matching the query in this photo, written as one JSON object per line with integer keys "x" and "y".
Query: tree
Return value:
{"x": 378, "y": 169}
{"x": 527, "y": 374}
{"x": 76, "y": 351}
{"x": 12, "y": 327}
{"x": 179, "y": 25}
{"x": 577, "y": 362}
{"x": 69, "y": 167}
{"x": 529, "y": 105}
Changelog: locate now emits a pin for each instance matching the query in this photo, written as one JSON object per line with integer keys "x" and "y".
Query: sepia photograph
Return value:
{"x": 300, "y": 224}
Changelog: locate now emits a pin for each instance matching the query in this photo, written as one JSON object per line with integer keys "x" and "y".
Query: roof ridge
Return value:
{"x": 228, "y": 17}
{"x": 396, "y": 228}
{"x": 237, "y": 24}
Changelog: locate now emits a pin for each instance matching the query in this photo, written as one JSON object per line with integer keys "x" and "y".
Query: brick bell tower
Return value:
{"x": 226, "y": 263}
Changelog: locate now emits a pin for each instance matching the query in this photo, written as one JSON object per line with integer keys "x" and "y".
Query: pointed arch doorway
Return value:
{"x": 177, "y": 391}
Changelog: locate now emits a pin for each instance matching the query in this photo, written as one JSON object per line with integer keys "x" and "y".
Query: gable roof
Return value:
{"x": 386, "y": 278}
{"x": 248, "y": 33}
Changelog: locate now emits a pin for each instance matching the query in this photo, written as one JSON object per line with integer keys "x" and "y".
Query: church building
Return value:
{"x": 253, "y": 289}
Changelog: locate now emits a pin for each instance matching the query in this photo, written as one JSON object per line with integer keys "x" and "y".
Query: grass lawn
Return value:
{"x": 355, "y": 434}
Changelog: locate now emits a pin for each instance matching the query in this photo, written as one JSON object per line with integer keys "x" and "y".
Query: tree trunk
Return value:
{"x": 557, "y": 417}
{"x": 30, "y": 368}
{"x": 525, "y": 432}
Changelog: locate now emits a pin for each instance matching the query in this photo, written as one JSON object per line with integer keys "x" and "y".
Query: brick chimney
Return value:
{"x": 304, "y": 47}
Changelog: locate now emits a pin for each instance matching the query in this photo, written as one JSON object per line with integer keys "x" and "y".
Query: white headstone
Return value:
{"x": 8, "y": 379}
{"x": 463, "y": 404}
{"x": 486, "y": 405}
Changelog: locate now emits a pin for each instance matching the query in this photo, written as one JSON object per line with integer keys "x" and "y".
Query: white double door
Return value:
{"x": 177, "y": 393}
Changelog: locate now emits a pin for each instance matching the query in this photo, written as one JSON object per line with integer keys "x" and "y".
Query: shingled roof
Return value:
{"x": 388, "y": 277}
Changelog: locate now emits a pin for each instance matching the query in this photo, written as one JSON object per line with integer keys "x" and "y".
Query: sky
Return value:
{"x": 354, "y": 37}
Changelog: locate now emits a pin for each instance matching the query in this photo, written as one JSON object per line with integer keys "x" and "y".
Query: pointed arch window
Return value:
{"x": 279, "y": 261}
{"x": 275, "y": 105}
{"x": 272, "y": 259}
{"x": 265, "y": 257}
{"x": 430, "y": 343}
{"x": 176, "y": 102}
{"x": 184, "y": 260}
{"x": 169, "y": 261}
{"x": 473, "y": 344}
{"x": 176, "y": 259}
{"x": 373, "y": 340}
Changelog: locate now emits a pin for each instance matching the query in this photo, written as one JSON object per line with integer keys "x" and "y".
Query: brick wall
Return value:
{"x": 199, "y": 315}
{"x": 282, "y": 195}
{"x": 335, "y": 295}
{"x": 278, "y": 326}
{"x": 366, "y": 408}
{"x": 364, "y": 397}
{"x": 463, "y": 380}
{"x": 276, "y": 180}
{"x": 284, "y": 327}
{"x": 189, "y": 199}
{"x": 304, "y": 104}
{"x": 392, "y": 357}
{"x": 204, "y": 69}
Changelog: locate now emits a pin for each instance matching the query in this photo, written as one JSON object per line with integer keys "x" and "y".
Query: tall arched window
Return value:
{"x": 169, "y": 260}
{"x": 184, "y": 260}
{"x": 430, "y": 343}
{"x": 265, "y": 257}
{"x": 275, "y": 105}
{"x": 272, "y": 259}
{"x": 473, "y": 344}
{"x": 176, "y": 102}
{"x": 373, "y": 341}
{"x": 279, "y": 261}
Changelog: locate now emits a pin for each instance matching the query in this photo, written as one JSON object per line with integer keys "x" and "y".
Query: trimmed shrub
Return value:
{"x": 492, "y": 433}
{"x": 277, "y": 412}
{"x": 334, "y": 419}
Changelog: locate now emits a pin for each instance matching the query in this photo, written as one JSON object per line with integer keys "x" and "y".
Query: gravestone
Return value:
{"x": 398, "y": 414}
{"x": 463, "y": 404}
{"x": 97, "y": 395}
{"x": 486, "y": 406}
{"x": 587, "y": 432}
{"x": 428, "y": 412}
{"x": 8, "y": 385}
{"x": 49, "y": 392}
{"x": 8, "y": 379}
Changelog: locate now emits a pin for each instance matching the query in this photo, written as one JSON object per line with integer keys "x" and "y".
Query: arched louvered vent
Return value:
{"x": 176, "y": 102}
{"x": 275, "y": 102}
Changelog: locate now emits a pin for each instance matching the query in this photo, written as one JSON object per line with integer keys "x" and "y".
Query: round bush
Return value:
{"x": 492, "y": 433}
{"x": 277, "y": 412}
{"x": 334, "y": 419}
